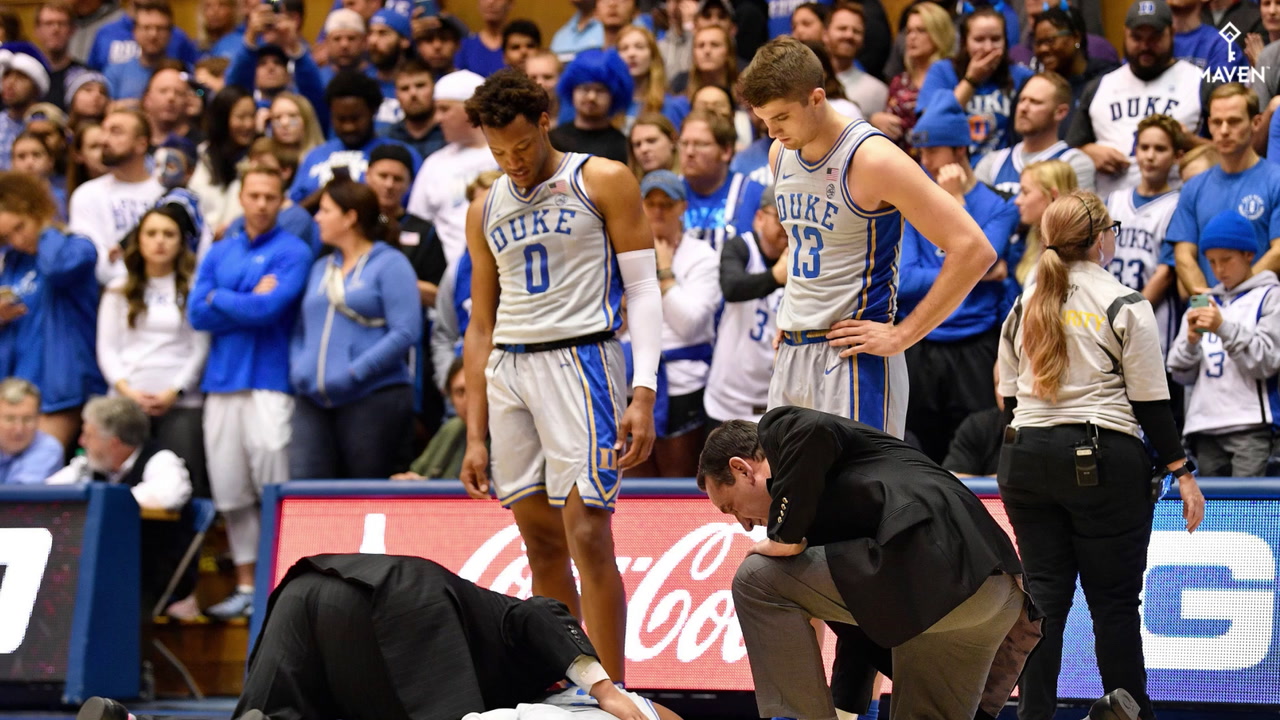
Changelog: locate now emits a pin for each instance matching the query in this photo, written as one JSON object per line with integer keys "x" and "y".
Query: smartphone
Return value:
{"x": 429, "y": 8}
{"x": 1199, "y": 301}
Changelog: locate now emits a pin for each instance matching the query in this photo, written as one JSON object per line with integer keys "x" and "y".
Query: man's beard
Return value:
{"x": 110, "y": 159}
{"x": 420, "y": 116}
{"x": 384, "y": 62}
{"x": 1147, "y": 74}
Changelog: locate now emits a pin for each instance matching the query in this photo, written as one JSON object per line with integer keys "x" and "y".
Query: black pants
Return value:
{"x": 366, "y": 438}
{"x": 317, "y": 657}
{"x": 181, "y": 431}
{"x": 949, "y": 382}
{"x": 1099, "y": 534}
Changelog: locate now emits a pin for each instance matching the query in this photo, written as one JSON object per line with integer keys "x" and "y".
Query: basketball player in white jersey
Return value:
{"x": 842, "y": 191}
{"x": 561, "y": 235}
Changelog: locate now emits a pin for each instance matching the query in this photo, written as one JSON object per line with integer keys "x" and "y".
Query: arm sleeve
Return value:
{"x": 165, "y": 485}
{"x": 1009, "y": 354}
{"x": 112, "y": 323}
{"x": 403, "y": 307}
{"x": 1081, "y": 131}
{"x": 444, "y": 331}
{"x": 1184, "y": 358}
{"x": 202, "y": 314}
{"x": 1273, "y": 139}
{"x": 1140, "y": 357}
{"x": 193, "y": 368}
{"x": 66, "y": 260}
{"x": 586, "y": 671}
{"x": 1156, "y": 419}
{"x": 941, "y": 76}
{"x": 915, "y": 275}
{"x": 644, "y": 314}
{"x": 545, "y": 632}
{"x": 1182, "y": 227}
{"x": 1257, "y": 352}
{"x": 290, "y": 268}
{"x": 736, "y": 284}
{"x": 801, "y": 448}
{"x": 693, "y": 301}
{"x": 243, "y": 65}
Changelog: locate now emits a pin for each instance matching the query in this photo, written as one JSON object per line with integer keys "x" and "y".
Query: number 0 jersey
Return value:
{"x": 843, "y": 260}
{"x": 557, "y": 271}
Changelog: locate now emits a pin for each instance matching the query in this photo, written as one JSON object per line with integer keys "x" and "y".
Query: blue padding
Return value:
{"x": 43, "y": 493}
{"x": 104, "y": 656}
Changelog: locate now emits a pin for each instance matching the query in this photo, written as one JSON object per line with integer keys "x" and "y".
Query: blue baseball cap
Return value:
{"x": 394, "y": 20}
{"x": 666, "y": 181}
{"x": 1228, "y": 230}
{"x": 943, "y": 124}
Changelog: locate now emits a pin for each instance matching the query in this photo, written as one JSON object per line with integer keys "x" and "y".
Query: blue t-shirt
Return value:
{"x": 128, "y": 79}
{"x": 114, "y": 43}
{"x": 227, "y": 45}
{"x": 1254, "y": 193}
{"x": 568, "y": 40}
{"x": 726, "y": 212}
{"x": 990, "y": 109}
{"x": 1205, "y": 48}
{"x": 474, "y": 56}
{"x": 780, "y": 15}
{"x": 317, "y": 167}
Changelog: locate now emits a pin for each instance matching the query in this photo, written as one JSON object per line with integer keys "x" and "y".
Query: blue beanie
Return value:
{"x": 943, "y": 124}
{"x": 1228, "y": 230}
{"x": 598, "y": 66}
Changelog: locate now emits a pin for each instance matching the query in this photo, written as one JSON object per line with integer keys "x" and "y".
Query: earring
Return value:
{"x": 1077, "y": 46}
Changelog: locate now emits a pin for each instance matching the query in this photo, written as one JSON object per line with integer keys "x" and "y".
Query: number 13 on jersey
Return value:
{"x": 806, "y": 266}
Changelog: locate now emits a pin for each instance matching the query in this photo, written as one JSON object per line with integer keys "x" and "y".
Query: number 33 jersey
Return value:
{"x": 557, "y": 270}
{"x": 1140, "y": 249}
{"x": 842, "y": 259}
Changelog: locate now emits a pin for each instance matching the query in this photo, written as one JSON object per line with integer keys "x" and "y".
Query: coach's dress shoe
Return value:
{"x": 253, "y": 715}
{"x": 100, "y": 708}
{"x": 1115, "y": 705}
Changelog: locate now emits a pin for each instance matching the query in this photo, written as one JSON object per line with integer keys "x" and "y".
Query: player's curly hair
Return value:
{"x": 504, "y": 96}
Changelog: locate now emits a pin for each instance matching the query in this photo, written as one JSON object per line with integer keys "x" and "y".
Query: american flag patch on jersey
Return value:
{"x": 559, "y": 187}
{"x": 833, "y": 174}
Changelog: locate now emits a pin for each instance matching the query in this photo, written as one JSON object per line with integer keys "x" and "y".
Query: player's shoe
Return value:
{"x": 1115, "y": 705}
{"x": 100, "y": 708}
{"x": 237, "y": 605}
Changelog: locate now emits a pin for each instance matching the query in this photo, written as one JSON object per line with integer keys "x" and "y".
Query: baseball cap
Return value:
{"x": 344, "y": 19}
{"x": 459, "y": 85}
{"x": 664, "y": 180}
{"x": 392, "y": 151}
{"x": 1152, "y": 13}
{"x": 394, "y": 20}
{"x": 704, "y": 5}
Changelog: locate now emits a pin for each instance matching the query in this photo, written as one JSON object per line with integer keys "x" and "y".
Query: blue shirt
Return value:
{"x": 317, "y": 167}
{"x": 294, "y": 220}
{"x": 990, "y": 109}
{"x": 780, "y": 15}
{"x": 922, "y": 260}
{"x": 726, "y": 212}
{"x": 249, "y": 347}
{"x": 227, "y": 45}
{"x": 128, "y": 79}
{"x": 1205, "y": 48}
{"x": 10, "y": 129}
{"x": 42, "y": 458}
{"x": 114, "y": 44}
{"x": 568, "y": 40}
{"x": 474, "y": 56}
{"x": 1254, "y": 193}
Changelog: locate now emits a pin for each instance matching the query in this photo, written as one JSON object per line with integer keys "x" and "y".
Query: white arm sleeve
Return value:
{"x": 644, "y": 314}
{"x": 586, "y": 671}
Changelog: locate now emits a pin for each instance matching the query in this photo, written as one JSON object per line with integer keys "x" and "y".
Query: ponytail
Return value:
{"x": 1070, "y": 228}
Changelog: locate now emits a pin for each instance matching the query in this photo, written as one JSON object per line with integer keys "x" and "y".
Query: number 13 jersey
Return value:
{"x": 842, "y": 259}
{"x": 557, "y": 270}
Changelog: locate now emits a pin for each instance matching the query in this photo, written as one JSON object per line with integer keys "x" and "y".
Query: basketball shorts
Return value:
{"x": 867, "y": 388}
{"x": 553, "y": 423}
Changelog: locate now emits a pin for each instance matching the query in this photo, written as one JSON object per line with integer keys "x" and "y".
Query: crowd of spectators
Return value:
{"x": 256, "y": 240}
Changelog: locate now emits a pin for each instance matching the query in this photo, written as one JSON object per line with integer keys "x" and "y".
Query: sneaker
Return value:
{"x": 237, "y": 605}
{"x": 100, "y": 708}
{"x": 185, "y": 609}
{"x": 1115, "y": 705}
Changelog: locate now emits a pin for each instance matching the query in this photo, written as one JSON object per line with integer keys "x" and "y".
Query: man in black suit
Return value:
{"x": 865, "y": 530}
{"x": 386, "y": 637}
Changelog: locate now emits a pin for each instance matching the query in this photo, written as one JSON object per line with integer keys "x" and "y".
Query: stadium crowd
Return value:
{"x": 258, "y": 239}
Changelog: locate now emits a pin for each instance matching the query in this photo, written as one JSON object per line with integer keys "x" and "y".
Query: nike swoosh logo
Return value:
{"x": 788, "y": 177}
{"x": 833, "y": 368}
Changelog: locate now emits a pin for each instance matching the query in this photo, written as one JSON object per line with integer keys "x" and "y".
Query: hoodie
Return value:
{"x": 52, "y": 345}
{"x": 1233, "y": 369}
{"x": 336, "y": 359}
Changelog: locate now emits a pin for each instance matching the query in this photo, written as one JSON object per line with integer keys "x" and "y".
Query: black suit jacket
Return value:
{"x": 453, "y": 647}
{"x": 906, "y": 541}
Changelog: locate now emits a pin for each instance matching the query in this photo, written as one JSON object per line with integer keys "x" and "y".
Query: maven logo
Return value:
{"x": 1244, "y": 74}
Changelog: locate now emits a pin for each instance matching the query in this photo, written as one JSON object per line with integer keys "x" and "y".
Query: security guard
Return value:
{"x": 1080, "y": 370}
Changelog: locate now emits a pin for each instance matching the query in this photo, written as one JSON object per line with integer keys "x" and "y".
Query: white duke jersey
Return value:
{"x": 1138, "y": 248}
{"x": 557, "y": 271}
{"x": 1122, "y": 101}
{"x": 843, "y": 259}
{"x": 738, "y": 386}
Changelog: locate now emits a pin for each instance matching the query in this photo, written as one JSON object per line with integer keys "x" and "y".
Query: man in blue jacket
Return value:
{"x": 246, "y": 297}
{"x": 950, "y": 369}
{"x": 115, "y": 42}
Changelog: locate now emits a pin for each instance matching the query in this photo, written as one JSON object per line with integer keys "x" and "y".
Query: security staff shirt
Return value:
{"x": 1113, "y": 350}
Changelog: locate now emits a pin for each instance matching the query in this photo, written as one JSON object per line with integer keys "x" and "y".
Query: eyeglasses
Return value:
{"x": 1114, "y": 228}
{"x": 695, "y": 145}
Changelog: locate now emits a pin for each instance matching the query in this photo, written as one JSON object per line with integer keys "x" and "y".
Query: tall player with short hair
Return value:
{"x": 842, "y": 191}
{"x": 561, "y": 236}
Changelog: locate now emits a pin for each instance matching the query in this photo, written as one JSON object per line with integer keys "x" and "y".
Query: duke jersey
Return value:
{"x": 1122, "y": 101}
{"x": 1010, "y": 162}
{"x": 1138, "y": 248}
{"x": 557, "y": 270}
{"x": 738, "y": 386}
{"x": 843, "y": 259}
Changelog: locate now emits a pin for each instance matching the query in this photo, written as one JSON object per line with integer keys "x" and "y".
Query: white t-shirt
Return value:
{"x": 439, "y": 193}
{"x": 105, "y": 210}
{"x": 864, "y": 90}
{"x": 689, "y": 312}
{"x": 160, "y": 352}
{"x": 571, "y": 704}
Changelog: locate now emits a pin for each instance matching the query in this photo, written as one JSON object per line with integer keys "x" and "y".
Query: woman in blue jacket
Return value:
{"x": 348, "y": 359}
{"x": 48, "y": 305}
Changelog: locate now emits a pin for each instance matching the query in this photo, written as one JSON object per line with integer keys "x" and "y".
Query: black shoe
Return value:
{"x": 1115, "y": 705}
{"x": 253, "y": 715}
{"x": 100, "y": 708}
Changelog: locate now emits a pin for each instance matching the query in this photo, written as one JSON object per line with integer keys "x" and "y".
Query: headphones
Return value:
{"x": 965, "y": 7}
{"x": 1062, "y": 5}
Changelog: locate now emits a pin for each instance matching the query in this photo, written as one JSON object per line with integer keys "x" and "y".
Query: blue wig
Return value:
{"x": 598, "y": 66}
